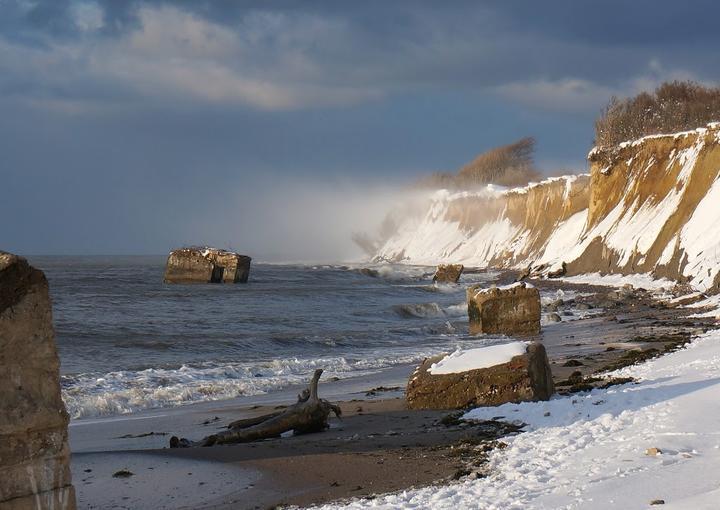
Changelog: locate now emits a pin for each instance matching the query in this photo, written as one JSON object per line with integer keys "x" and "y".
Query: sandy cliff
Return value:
{"x": 648, "y": 206}
{"x": 492, "y": 226}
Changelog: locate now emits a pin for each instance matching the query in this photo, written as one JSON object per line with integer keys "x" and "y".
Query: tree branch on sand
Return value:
{"x": 309, "y": 414}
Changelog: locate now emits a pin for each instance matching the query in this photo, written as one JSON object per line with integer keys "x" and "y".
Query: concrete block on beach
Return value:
{"x": 510, "y": 310}
{"x": 34, "y": 452}
{"x": 206, "y": 265}
{"x": 488, "y": 376}
{"x": 448, "y": 273}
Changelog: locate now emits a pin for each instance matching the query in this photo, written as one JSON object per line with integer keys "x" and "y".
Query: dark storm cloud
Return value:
{"x": 335, "y": 53}
{"x": 127, "y": 126}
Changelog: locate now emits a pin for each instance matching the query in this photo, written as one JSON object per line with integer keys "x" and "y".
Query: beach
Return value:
{"x": 379, "y": 446}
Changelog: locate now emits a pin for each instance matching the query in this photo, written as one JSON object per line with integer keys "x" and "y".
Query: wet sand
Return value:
{"x": 378, "y": 447}
{"x": 141, "y": 479}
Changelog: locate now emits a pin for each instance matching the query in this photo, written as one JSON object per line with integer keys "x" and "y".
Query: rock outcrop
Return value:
{"x": 647, "y": 206}
{"x": 206, "y": 265}
{"x": 509, "y": 310}
{"x": 34, "y": 452}
{"x": 448, "y": 273}
{"x": 526, "y": 377}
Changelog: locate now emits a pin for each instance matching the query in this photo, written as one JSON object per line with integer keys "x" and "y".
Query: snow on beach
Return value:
{"x": 710, "y": 307}
{"x": 589, "y": 450}
{"x": 638, "y": 281}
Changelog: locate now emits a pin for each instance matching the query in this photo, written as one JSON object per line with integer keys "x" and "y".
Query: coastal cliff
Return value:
{"x": 647, "y": 206}
{"x": 494, "y": 227}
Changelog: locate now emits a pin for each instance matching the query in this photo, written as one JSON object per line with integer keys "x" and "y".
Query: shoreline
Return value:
{"x": 388, "y": 447}
{"x": 95, "y": 434}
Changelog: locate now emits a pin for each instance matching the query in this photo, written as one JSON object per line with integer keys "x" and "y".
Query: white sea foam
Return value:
{"x": 430, "y": 310}
{"x": 459, "y": 310}
{"x": 122, "y": 392}
{"x": 419, "y": 310}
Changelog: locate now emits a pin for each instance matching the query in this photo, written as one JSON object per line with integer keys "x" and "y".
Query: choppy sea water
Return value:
{"x": 127, "y": 341}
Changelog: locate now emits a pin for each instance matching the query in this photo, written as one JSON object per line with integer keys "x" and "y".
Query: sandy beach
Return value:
{"x": 379, "y": 446}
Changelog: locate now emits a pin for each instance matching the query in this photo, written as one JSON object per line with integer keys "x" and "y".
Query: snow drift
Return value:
{"x": 648, "y": 206}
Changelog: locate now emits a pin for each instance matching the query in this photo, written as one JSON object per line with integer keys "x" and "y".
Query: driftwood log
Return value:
{"x": 309, "y": 414}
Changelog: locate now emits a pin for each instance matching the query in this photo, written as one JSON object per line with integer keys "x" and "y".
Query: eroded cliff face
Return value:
{"x": 648, "y": 206}
{"x": 494, "y": 227}
{"x": 655, "y": 208}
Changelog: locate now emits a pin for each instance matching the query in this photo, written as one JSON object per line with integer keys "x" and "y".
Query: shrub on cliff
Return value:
{"x": 672, "y": 107}
{"x": 508, "y": 165}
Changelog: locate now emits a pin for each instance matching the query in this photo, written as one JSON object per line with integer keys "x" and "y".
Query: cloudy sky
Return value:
{"x": 272, "y": 127}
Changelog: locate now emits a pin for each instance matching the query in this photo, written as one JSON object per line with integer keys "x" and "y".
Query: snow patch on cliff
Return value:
{"x": 564, "y": 239}
{"x": 700, "y": 239}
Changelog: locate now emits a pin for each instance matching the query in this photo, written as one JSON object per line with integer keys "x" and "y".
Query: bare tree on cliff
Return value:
{"x": 672, "y": 107}
{"x": 507, "y": 165}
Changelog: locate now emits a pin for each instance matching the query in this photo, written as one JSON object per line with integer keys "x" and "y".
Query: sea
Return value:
{"x": 129, "y": 342}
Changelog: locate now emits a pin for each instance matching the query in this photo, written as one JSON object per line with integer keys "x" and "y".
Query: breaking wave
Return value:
{"x": 429, "y": 310}
{"x": 419, "y": 310}
{"x": 127, "y": 391}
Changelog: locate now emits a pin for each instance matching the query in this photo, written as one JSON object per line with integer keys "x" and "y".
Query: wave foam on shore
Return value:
{"x": 128, "y": 391}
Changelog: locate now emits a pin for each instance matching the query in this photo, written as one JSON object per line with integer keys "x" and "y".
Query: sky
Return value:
{"x": 279, "y": 128}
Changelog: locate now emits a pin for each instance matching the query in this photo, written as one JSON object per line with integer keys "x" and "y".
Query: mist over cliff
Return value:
{"x": 293, "y": 219}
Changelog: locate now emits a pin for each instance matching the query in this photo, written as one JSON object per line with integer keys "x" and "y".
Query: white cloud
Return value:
{"x": 581, "y": 95}
{"x": 288, "y": 60}
{"x": 88, "y": 16}
{"x": 260, "y": 64}
{"x": 568, "y": 94}
{"x": 175, "y": 55}
{"x": 656, "y": 74}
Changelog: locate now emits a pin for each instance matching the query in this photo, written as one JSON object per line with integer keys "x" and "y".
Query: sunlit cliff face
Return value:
{"x": 655, "y": 204}
{"x": 649, "y": 206}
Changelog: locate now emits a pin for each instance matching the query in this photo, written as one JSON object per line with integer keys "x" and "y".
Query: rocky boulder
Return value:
{"x": 206, "y": 265}
{"x": 448, "y": 273}
{"x": 510, "y": 310}
{"x": 34, "y": 452}
{"x": 474, "y": 378}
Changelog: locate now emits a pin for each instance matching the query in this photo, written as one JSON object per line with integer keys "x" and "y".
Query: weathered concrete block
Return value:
{"x": 206, "y": 265}
{"x": 524, "y": 377}
{"x": 448, "y": 273}
{"x": 34, "y": 453}
{"x": 510, "y": 310}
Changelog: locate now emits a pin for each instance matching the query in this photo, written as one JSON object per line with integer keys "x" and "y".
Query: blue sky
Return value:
{"x": 275, "y": 127}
